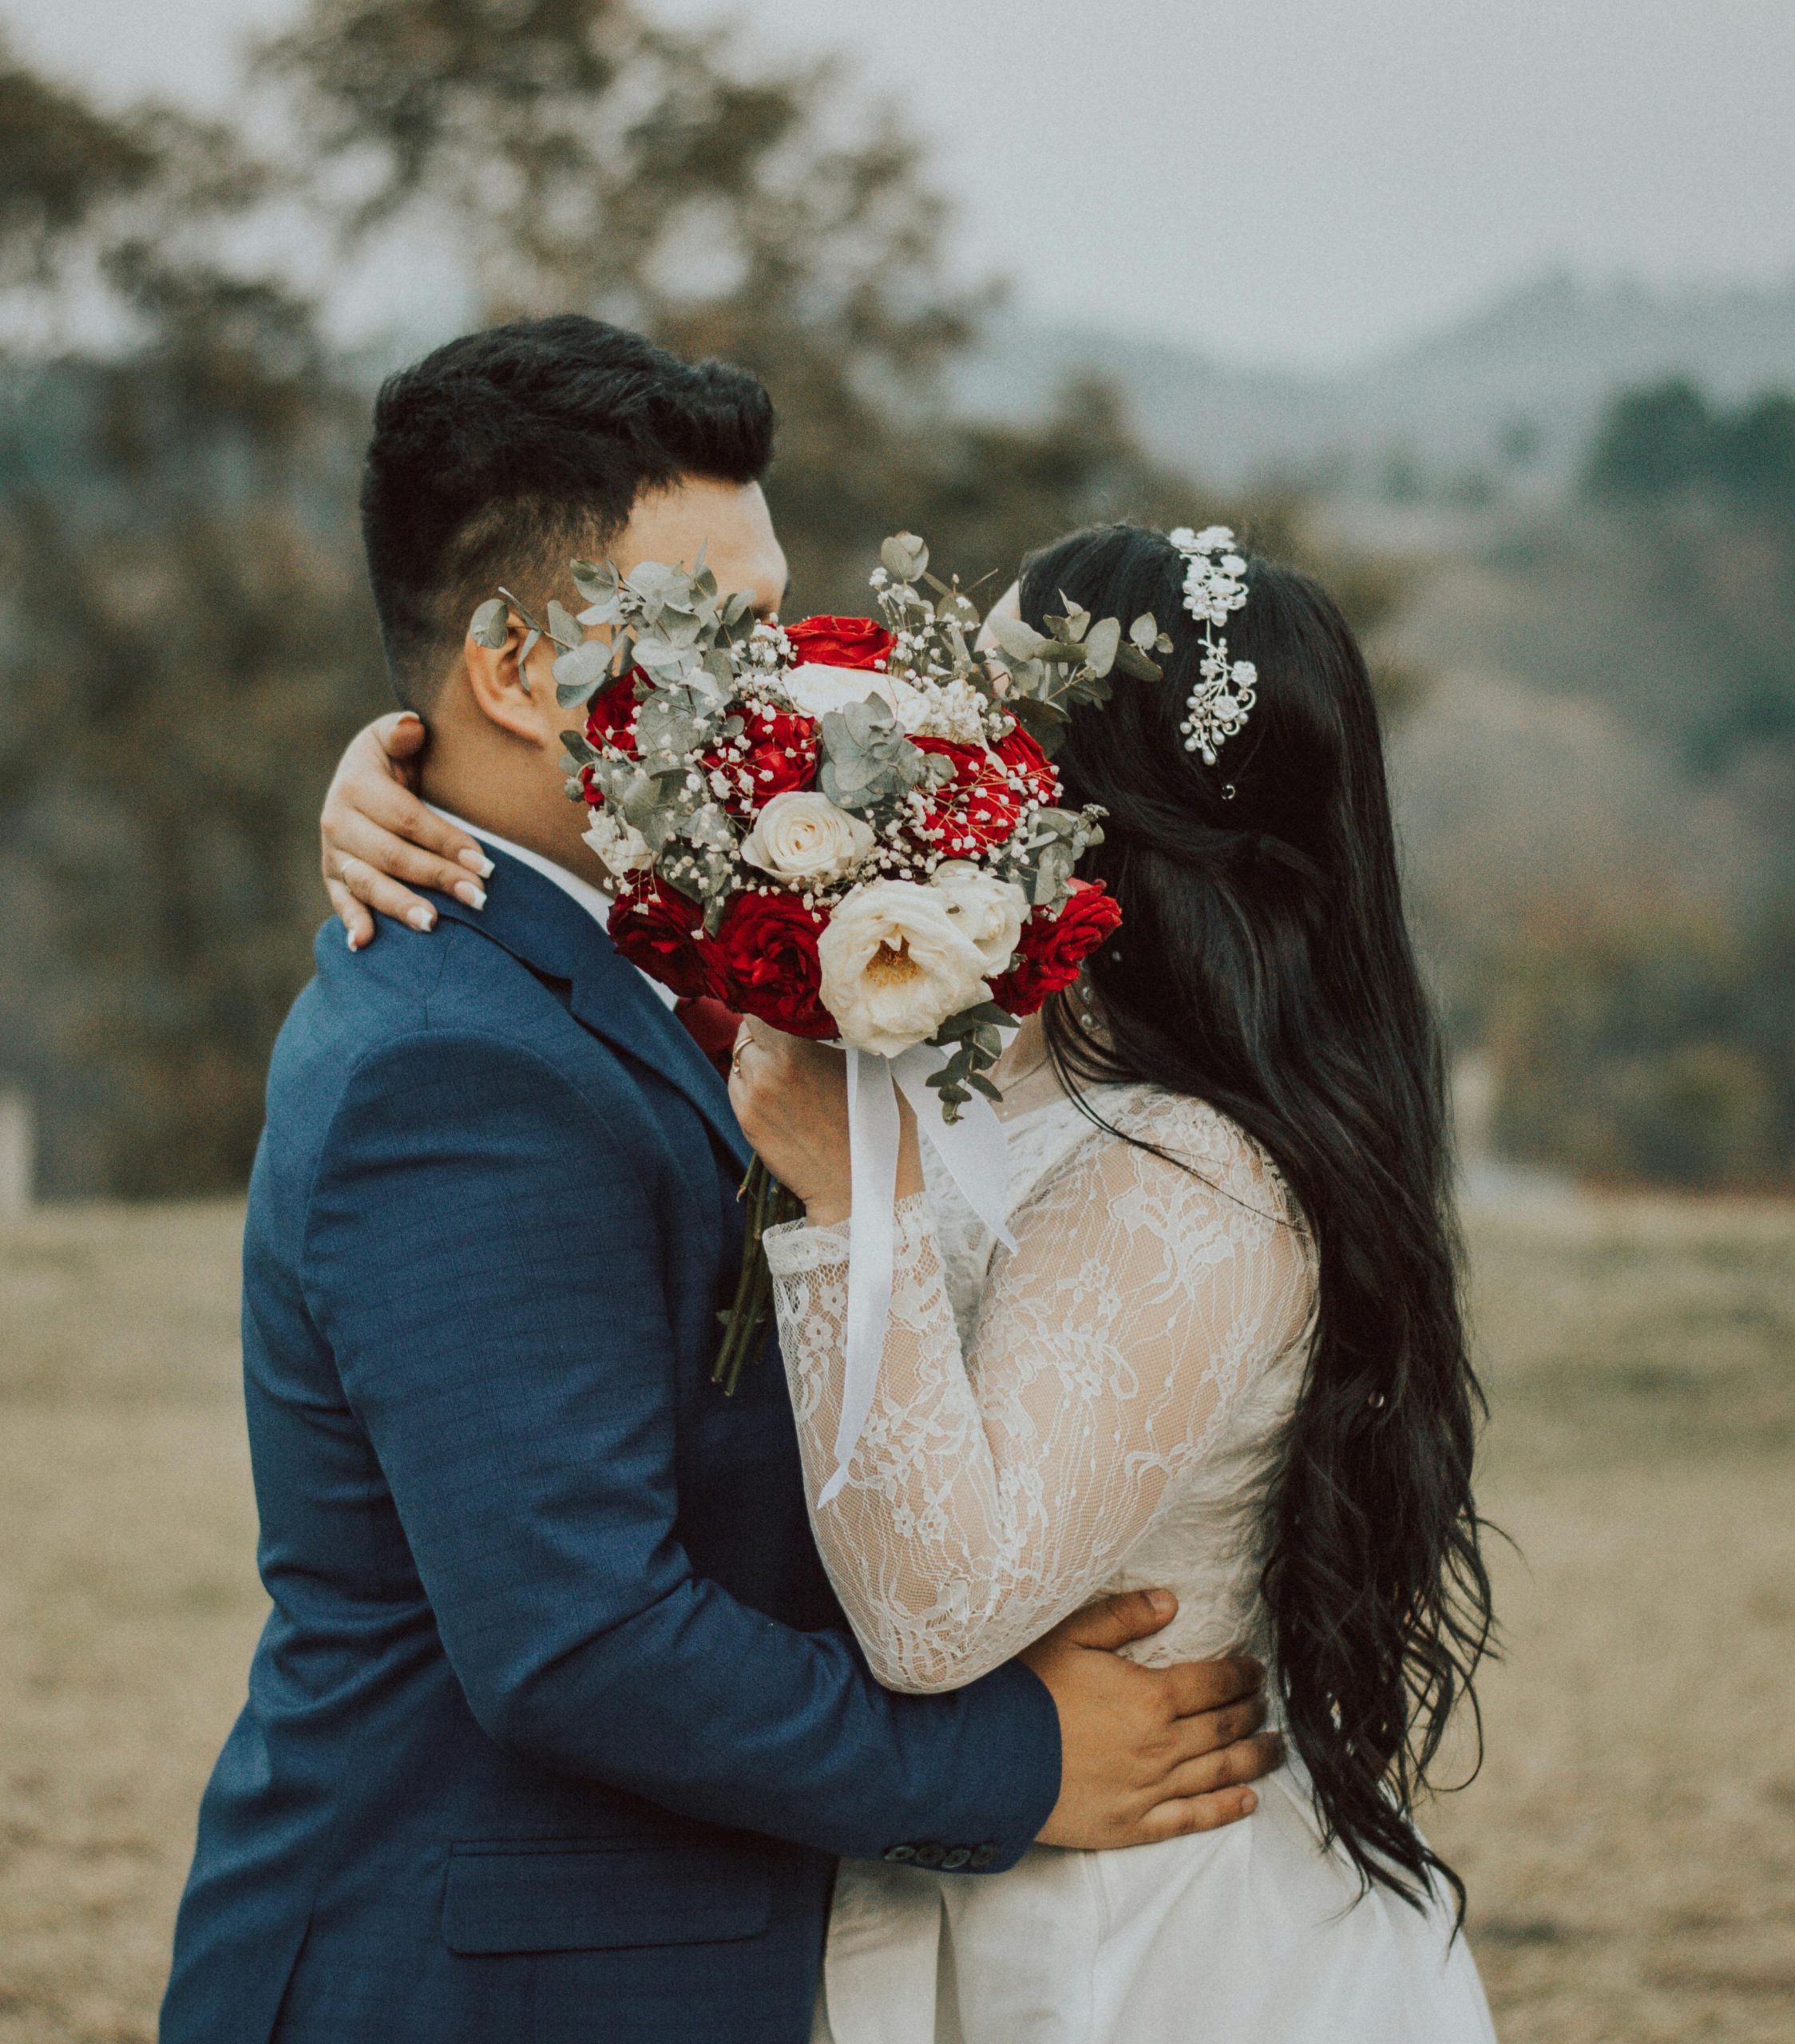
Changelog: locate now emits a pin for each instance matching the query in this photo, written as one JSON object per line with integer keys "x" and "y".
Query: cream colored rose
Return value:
{"x": 816, "y": 689}
{"x": 896, "y": 964}
{"x": 621, "y": 848}
{"x": 989, "y": 910}
{"x": 803, "y": 836}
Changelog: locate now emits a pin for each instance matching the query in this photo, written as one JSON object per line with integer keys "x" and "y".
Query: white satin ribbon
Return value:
{"x": 972, "y": 1151}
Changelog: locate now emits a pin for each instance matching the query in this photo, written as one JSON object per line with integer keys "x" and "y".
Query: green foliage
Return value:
{"x": 1650, "y": 1043}
{"x": 1667, "y": 444}
{"x": 184, "y": 643}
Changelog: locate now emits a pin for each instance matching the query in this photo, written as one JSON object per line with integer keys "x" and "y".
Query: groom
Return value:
{"x": 555, "y": 1730}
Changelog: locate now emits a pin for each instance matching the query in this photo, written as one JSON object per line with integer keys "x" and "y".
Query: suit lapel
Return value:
{"x": 543, "y": 926}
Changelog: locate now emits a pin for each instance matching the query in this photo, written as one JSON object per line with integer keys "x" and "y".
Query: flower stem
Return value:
{"x": 766, "y": 1203}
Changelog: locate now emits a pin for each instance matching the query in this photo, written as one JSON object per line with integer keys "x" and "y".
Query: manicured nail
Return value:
{"x": 474, "y": 896}
{"x": 410, "y": 717}
{"x": 423, "y": 919}
{"x": 477, "y": 862}
{"x": 350, "y": 939}
{"x": 1163, "y": 1602}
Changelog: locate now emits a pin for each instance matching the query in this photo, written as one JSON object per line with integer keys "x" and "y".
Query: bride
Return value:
{"x": 1225, "y": 1356}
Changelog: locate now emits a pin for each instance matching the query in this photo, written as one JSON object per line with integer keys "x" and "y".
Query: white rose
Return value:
{"x": 989, "y": 910}
{"x": 896, "y": 964}
{"x": 621, "y": 848}
{"x": 801, "y": 835}
{"x": 816, "y": 689}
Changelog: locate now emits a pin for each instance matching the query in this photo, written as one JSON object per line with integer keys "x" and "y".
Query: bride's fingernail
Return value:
{"x": 477, "y": 862}
{"x": 423, "y": 919}
{"x": 474, "y": 896}
{"x": 349, "y": 938}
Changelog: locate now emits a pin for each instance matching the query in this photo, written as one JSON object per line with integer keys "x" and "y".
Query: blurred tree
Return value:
{"x": 583, "y": 155}
{"x": 1707, "y": 497}
{"x": 1652, "y": 444}
{"x": 1620, "y": 1036}
{"x": 184, "y": 645}
{"x": 179, "y": 447}
{"x": 1754, "y": 458}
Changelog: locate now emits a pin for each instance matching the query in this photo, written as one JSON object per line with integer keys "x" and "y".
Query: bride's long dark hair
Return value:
{"x": 1264, "y": 966}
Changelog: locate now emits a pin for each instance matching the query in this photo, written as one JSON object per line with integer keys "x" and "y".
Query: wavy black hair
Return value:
{"x": 1264, "y": 965}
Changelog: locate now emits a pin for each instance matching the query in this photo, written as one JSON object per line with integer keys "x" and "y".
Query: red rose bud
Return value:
{"x": 1030, "y": 766}
{"x": 1054, "y": 946}
{"x": 762, "y": 960}
{"x": 977, "y": 808}
{"x": 610, "y": 721}
{"x": 655, "y": 927}
{"x": 776, "y": 752}
{"x": 841, "y": 642}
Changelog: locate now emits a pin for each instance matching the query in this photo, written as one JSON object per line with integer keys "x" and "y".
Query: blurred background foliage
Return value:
{"x": 185, "y": 644}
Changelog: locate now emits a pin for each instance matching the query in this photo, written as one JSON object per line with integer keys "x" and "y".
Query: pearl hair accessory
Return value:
{"x": 1226, "y": 689}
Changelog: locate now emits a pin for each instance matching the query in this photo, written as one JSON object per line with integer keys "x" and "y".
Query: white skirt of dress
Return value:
{"x": 1251, "y": 1935}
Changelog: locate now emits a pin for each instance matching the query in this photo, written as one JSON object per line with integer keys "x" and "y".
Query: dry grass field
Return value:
{"x": 1630, "y": 1844}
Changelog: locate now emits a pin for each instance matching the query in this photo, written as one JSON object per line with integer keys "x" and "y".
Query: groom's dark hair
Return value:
{"x": 506, "y": 453}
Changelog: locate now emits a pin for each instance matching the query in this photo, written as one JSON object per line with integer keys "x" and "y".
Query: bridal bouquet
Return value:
{"x": 849, "y": 828}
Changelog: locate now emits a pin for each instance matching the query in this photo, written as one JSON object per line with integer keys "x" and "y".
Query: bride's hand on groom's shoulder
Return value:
{"x": 376, "y": 834}
{"x": 792, "y": 1098}
{"x": 1148, "y": 1753}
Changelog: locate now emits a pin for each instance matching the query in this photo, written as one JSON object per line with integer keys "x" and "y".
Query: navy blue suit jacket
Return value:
{"x": 554, "y": 1731}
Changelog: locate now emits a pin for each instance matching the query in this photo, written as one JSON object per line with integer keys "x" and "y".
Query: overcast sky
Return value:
{"x": 1301, "y": 182}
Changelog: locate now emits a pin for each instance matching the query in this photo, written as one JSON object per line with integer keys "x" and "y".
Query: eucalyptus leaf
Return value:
{"x": 492, "y": 623}
{"x": 1044, "y": 721}
{"x": 1019, "y": 639}
{"x": 562, "y": 627}
{"x": 1051, "y": 872}
{"x": 1100, "y": 645}
{"x": 905, "y": 557}
{"x": 1142, "y": 666}
{"x": 579, "y": 674}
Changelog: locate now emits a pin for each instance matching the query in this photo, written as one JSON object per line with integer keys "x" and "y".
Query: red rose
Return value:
{"x": 762, "y": 960}
{"x": 777, "y": 752}
{"x": 975, "y": 810}
{"x": 1053, "y": 946}
{"x": 1030, "y": 766}
{"x": 610, "y": 721}
{"x": 841, "y": 642}
{"x": 655, "y": 927}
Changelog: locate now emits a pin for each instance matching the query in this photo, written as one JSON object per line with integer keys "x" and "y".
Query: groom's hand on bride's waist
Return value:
{"x": 1148, "y": 1753}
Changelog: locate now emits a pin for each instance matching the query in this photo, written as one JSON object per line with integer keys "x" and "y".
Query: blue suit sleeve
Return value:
{"x": 483, "y": 1256}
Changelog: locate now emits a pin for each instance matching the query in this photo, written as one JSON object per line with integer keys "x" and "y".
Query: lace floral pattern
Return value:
{"x": 1111, "y": 1416}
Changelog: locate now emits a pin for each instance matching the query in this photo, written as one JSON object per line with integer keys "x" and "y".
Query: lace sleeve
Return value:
{"x": 993, "y": 1494}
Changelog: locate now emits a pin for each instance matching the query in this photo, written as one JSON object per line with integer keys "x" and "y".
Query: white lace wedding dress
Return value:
{"x": 1104, "y": 1409}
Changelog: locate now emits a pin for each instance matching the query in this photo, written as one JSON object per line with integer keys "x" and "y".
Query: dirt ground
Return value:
{"x": 1629, "y": 1844}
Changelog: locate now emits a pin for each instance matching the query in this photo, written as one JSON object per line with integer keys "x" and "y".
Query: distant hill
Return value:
{"x": 1513, "y": 390}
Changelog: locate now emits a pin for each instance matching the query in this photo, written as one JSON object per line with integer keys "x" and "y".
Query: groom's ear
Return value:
{"x": 518, "y": 698}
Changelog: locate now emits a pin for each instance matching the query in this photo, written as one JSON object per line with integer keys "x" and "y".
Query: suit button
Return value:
{"x": 930, "y": 1855}
{"x": 983, "y": 1856}
{"x": 961, "y": 1856}
{"x": 900, "y": 1856}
